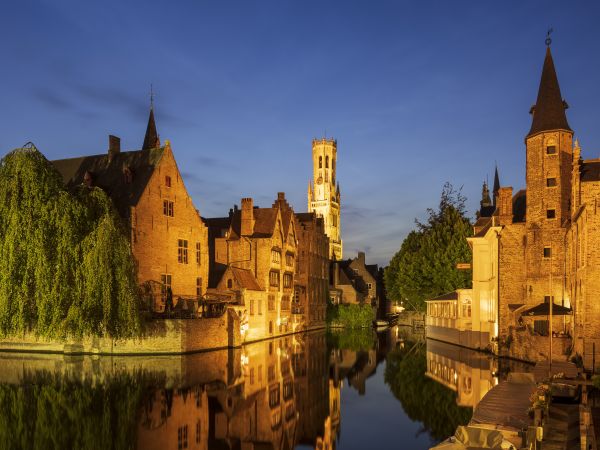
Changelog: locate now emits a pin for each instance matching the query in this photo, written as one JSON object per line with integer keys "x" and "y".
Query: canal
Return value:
{"x": 343, "y": 390}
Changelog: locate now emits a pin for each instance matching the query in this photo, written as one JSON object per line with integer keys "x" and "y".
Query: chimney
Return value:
{"x": 114, "y": 146}
{"x": 505, "y": 207}
{"x": 247, "y": 217}
{"x": 361, "y": 258}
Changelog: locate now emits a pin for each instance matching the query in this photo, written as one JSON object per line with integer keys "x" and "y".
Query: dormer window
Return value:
{"x": 127, "y": 175}
{"x": 168, "y": 181}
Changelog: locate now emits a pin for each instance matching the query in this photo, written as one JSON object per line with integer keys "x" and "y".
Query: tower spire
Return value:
{"x": 496, "y": 186}
{"x": 151, "y": 139}
{"x": 549, "y": 109}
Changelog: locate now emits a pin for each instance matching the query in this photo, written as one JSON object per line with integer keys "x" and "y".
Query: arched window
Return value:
{"x": 327, "y": 162}
{"x": 320, "y": 162}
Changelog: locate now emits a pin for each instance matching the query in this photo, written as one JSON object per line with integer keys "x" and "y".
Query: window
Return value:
{"x": 289, "y": 259}
{"x": 229, "y": 283}
{"x": 198, "y": 432}
{"x": 550, "y": 182}
{"x": 271, "y": 374}
{"x": 260, "y": 306}
{"x": 288, "y": 390}
{"x": 252, "y": 375}
{"x": 287, "y": 280}
{"x": 369, "y": 286}
{"x": 252, "y": 307}
{"x": 285, "y": 303}
{"x": 260, "y": 373}
{"x": 168, "y": 181}
{"x": 275, "y": 256}
{"x": 320, "y": 162}
{"x": 551, "y": 150}
{"x": 327, "y": 162}
{"x": 182, "y": 437}
{"x": 270, "y": 327}
{"x": 198, "y": 253}
{"x": 165, "y": 280}
{"x": 271, "y": 305}
{"x": 182, "y": 251}
{"x": 168, "y": 208}
{"x": 551, "y": 214}
{"x": 547, "y": 252}
{"x": 198, "y": 287}
{"x": 274, "y": 397}
{"x": 274, "y": 278}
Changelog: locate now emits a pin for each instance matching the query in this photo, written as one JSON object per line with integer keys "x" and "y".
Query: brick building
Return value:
{"x": 539, "y": 248}
{"x": 312, "y": 277}
{"x": 252, "y": 256}
{"x": 353, "y": 281}
{"x": 324, "y": 194}
{"x": 168, "y": 238}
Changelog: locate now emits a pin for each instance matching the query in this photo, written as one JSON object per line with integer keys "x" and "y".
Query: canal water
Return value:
{"x": 342, "y": 390}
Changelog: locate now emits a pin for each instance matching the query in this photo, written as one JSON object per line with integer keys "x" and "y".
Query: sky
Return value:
{"x": 416, "y": 93}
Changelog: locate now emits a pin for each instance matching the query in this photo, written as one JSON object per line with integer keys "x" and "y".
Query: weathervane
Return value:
{"x": 548, "y": 39}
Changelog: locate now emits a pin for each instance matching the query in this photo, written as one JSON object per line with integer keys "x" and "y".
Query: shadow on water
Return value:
{"x": 318, "y": 390}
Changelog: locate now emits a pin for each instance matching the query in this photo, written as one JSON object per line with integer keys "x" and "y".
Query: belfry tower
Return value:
{"x": 324, "y": 193}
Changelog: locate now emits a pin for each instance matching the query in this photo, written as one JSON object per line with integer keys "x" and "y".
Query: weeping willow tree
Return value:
{"x": 66, "y": 267}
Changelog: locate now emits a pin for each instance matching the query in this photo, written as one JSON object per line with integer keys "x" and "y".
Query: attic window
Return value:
{"x": 87, "y": 179}
{"x": 229, "y": 283}
{"x": 551, "y": 150}
{"x": 127, "y": 175}
{"x": 168, "y": 181}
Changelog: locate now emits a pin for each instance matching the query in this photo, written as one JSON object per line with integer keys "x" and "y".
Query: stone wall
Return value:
{"x": 533, "y": 348}
{"x": 160, "y": 337}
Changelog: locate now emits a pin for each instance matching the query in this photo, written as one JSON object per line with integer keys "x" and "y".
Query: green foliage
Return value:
{"x": 425, "y": 265}
{"x": 360, "y": 339}
{"x": 65, "y": 262}
{"x": 350, "y": 316}
{"x": 49, "y": 412}
{"x": 422, "y": 398}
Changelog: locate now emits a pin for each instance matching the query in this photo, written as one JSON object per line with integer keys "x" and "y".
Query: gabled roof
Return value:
{"x": 549, "y": 109}
{"x": 109, "y": 174}
{"x": 245, "y": 279}
{"x": 590, "y": 170}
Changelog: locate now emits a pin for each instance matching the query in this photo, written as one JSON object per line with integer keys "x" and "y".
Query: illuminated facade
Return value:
{"x": 324, "y": 193}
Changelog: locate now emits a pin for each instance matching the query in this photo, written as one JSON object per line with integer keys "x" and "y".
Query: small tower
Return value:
{"x": 324, "y": 194}
{"x": 151, "y": 139}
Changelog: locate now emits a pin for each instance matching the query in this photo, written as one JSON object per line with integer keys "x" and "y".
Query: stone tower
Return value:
{"x": 549, "y": 148}
{"x": 324, "y": 193}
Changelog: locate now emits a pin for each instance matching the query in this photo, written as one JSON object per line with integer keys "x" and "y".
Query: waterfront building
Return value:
{"x": 168, "y": 238}
{"x": 324, "y": 193}
{"x": 253, "y": 262}
{"x": 538, "y": 248}
{"x": 353, "y": 281}
{"x": 312, "y": 270}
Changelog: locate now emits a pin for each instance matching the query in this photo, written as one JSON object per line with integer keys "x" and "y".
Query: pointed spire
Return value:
{"x": 549, "y": 109}
{"x": 151, "y": 139}
{"x": 496, "y": 187}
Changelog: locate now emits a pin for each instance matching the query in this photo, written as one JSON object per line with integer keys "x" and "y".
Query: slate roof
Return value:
{"x": 110, "y": 174}
{"x": 549, "y": 110}
{"x": 245, "y": 279}
{"x": 590, "y": 170}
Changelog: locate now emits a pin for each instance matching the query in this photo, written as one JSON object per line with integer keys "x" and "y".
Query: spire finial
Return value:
{"x": 548, "y": 39}
{"x": 151, "y": 96}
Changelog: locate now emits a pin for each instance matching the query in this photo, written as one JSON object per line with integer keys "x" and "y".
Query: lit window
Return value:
{"x": 551, "y": 214}
{"x": 168, "y": 208}
{"x": 274, "y": 278}
{"x": 287, "y": 280}
{"x": 550, "y": 182}
{"x": 182, "y": 251}
{"x": 551, "y": 150}
{"x": 547, "y": 252}
{"x": 168, "y": 181}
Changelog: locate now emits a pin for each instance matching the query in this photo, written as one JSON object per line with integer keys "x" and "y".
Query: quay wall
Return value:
{"x": 169, "y": 336}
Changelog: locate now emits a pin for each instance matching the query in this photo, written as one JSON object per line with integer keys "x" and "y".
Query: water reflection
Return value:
{"x": 305, "y": 390}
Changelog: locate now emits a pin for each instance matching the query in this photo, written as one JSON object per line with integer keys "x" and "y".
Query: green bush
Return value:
{"x": 350, "y": 316}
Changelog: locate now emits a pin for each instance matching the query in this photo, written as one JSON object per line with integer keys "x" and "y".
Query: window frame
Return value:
{"x": 182, "y": 251}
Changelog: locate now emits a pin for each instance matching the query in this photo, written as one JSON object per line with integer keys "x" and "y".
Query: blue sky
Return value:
{"x": 416, "y": 93}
